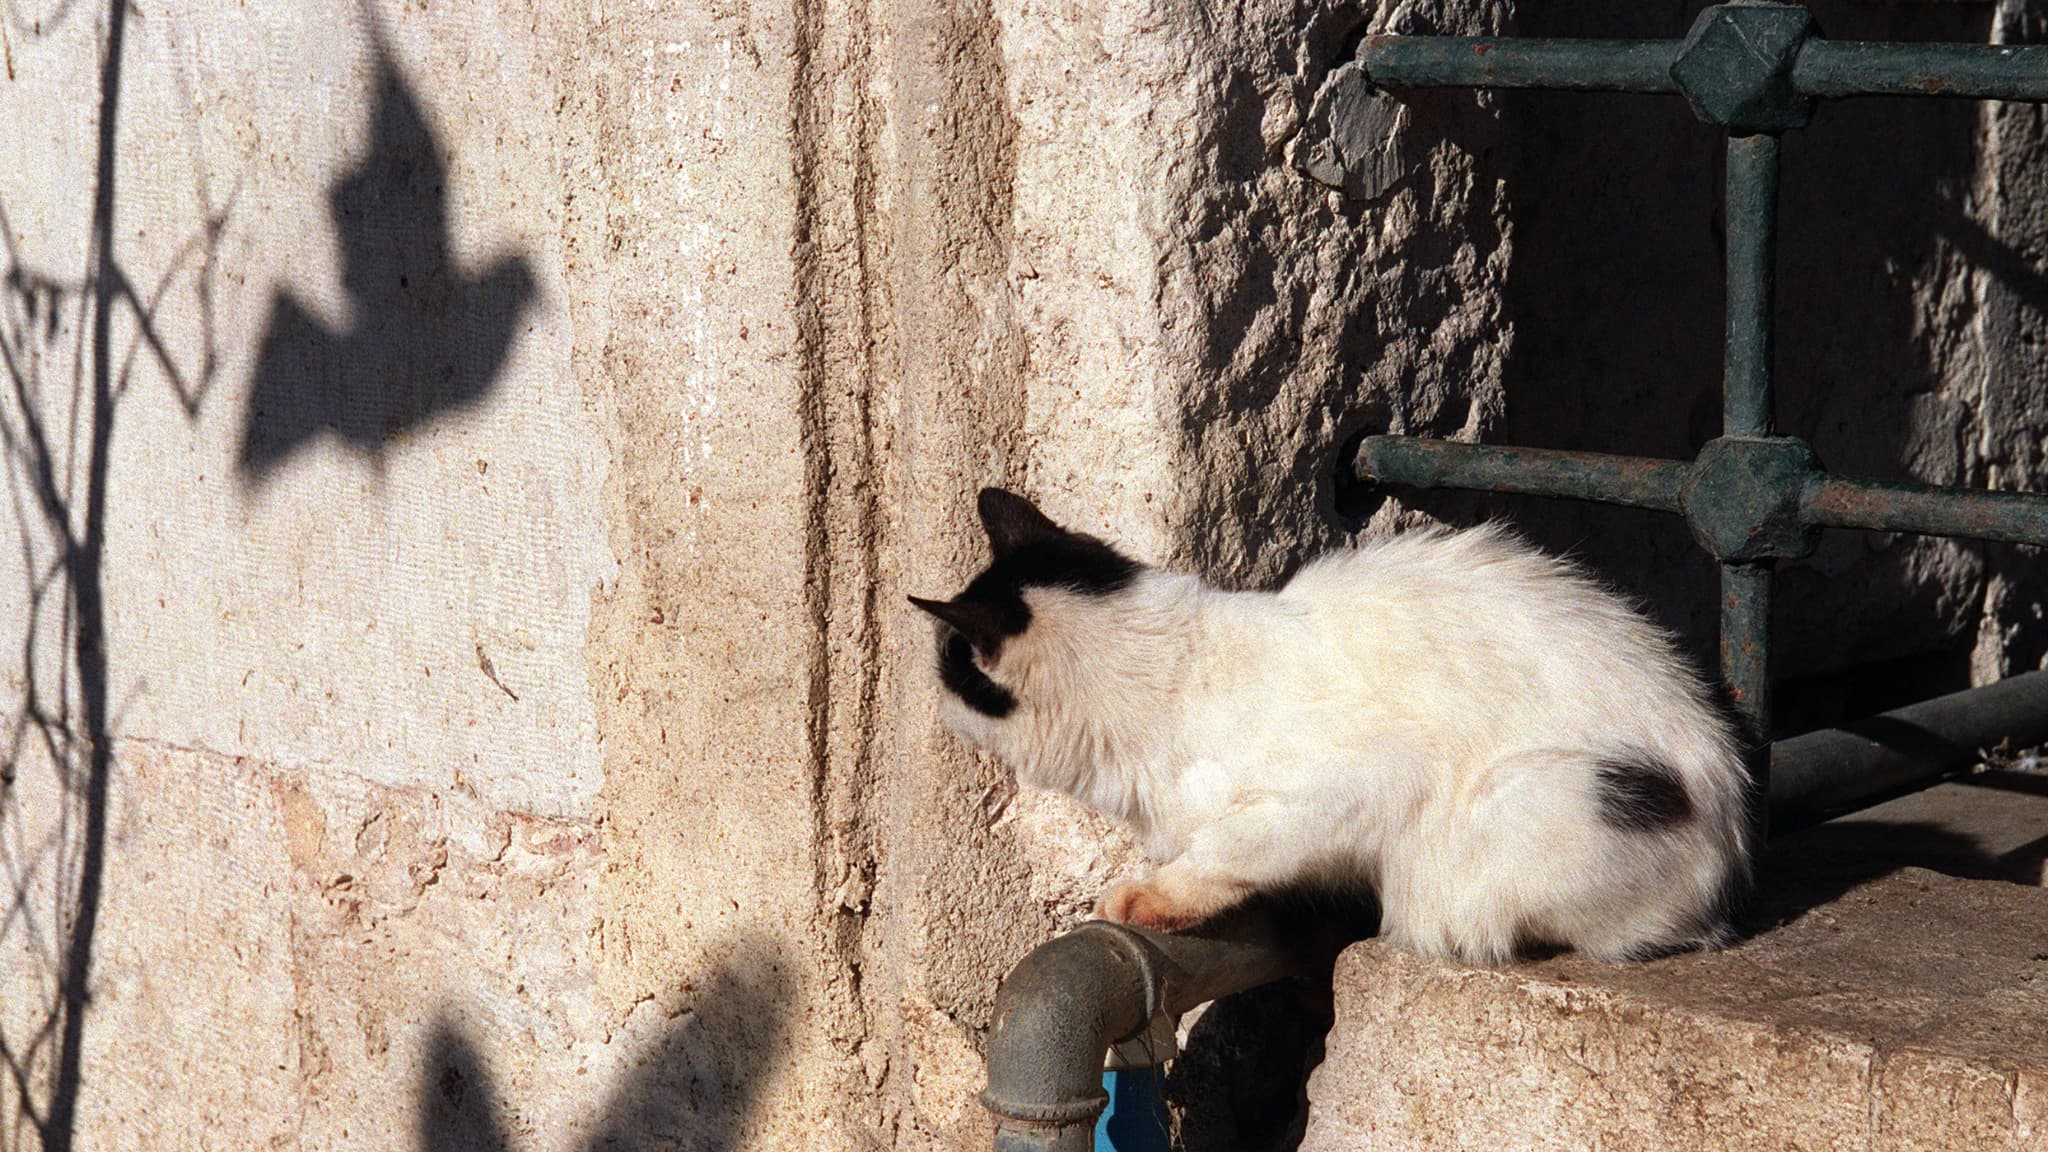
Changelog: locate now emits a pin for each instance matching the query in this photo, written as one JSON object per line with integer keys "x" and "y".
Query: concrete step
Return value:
{"x": 1894, "y": 997}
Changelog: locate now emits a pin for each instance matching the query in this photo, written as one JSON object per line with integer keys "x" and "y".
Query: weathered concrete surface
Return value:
{"x": 278, "y": 956}
{"x": 475, "y": 554}
{"x": 1992, "y": 824}
{"x": 303, "y": 758}
{"x": 1904, "y": 1015}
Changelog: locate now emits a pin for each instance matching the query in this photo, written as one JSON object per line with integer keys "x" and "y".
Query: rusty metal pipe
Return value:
{"x": 1063, "y": 1006}
{"x": 1834, "y": 770}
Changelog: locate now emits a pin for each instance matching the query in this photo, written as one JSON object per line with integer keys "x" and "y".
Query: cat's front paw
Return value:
{"x": 1144, "y": 906}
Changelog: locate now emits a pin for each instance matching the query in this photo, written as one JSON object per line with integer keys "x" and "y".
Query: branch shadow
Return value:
{"x": 65, "y": 379}
{"x": 424, "y": 339}
{"x": 698, "y": 1086}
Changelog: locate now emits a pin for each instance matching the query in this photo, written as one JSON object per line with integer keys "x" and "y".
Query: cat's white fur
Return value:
{"x": 1424, "y": 715}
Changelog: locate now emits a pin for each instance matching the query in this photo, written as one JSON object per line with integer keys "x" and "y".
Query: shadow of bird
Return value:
{"x": 424, "y": 338}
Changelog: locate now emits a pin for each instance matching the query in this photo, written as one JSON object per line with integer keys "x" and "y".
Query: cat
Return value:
{"x": 1504, "y": 752}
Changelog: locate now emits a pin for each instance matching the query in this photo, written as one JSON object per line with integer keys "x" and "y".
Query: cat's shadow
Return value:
{"x": 1817, "y": 866}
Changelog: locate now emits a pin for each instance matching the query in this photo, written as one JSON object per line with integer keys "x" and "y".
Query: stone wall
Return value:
{"x": 467, "y": 463}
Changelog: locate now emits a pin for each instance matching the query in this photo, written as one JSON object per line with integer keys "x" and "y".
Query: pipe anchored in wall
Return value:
{"x": 1064, "y": 1005}
{"x": 1835, "y": 770}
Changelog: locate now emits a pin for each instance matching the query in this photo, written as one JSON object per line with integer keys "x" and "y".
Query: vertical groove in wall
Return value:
{"x": 834, "y": 129}
{"x": 954, "y": 889}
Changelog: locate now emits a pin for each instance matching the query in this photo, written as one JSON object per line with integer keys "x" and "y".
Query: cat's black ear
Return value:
{"x": 1012, "y": 522}
{"x": 980, "y": 623}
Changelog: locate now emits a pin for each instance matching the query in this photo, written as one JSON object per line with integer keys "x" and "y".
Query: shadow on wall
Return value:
{"x": 71, "y": 349}
{"x": 698, "y": 1087}
{"x": 423, "y": 339}
{"x": 66, "y": 374}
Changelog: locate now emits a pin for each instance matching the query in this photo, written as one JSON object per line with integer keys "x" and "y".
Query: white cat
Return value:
{"x": 1501, "y": 749}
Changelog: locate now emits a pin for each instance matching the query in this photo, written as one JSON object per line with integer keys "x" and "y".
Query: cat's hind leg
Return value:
{"x": 1523, "y": 857}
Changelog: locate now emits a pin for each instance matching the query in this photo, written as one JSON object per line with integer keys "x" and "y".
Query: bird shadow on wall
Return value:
{"x": 72, "y": 348}
{"x": 423, "y": 339}
{"x": 697, "y": 1087}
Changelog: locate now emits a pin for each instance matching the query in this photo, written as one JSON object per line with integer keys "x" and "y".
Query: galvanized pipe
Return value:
{"x": 1746, "y": 670}
{"x": 1825, "y": 499}
{"x": 1977, "y": 71}
{"x": 1902, "y": 506}
{"x": 1484, "y": 62}
{"x": 1824, "y": 773}
{"x": 1823, "y": 68}
{"x": 1635, "y": 481}
{"x": 1057, "y": 1013}
{"x": 1063, "y": 1006}
{"x": 1750, "y": 219}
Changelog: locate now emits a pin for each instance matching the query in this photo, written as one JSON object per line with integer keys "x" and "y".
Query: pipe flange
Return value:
{"x": 1083, "y": 1111}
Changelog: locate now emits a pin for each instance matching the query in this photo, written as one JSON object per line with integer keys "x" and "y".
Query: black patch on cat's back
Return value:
{"x": 965, "y": 679}
{"x": 1640, "y": 792}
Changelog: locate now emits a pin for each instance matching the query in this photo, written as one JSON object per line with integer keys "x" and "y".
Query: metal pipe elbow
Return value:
{"x": 1065, "y": 1004}
{"x": 1057, "y": 1013}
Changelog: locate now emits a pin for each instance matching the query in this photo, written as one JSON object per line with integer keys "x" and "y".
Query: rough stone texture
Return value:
{"x": 1905, "y": 1014}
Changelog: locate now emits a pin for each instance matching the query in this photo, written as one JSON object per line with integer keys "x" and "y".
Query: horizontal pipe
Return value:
{"x": 1419, "y": 462}
{"x": 1822, "y": 774}
{"x": 1644, "y": 482}
{"x": 1868, "y": 68}
{"x": 1485, "y": 62}
{"x": 1928, "y": 510}
{"x": 1825, "y": 68}
{"x": 1062, "y": 1006}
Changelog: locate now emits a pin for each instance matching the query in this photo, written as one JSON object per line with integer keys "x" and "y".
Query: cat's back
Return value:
{"x": 1474, "y": 606}
{"x": 1484, "y": 569}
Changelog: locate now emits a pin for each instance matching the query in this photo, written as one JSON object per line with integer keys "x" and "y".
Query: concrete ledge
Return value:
{"x": 1910, "y": 1012}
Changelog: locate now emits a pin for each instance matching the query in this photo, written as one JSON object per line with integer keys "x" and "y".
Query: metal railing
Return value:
{"x": 1751, "y": 498}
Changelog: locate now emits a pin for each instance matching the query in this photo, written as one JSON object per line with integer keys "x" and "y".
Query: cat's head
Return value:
{"x": 1018, "y": 641}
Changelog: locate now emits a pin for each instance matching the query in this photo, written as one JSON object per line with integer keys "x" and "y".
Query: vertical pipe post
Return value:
{"x": 1745, "y": 667}
{"x": 1750, "y": 220}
